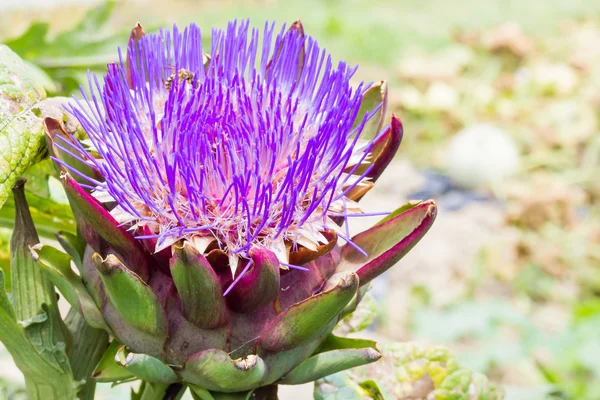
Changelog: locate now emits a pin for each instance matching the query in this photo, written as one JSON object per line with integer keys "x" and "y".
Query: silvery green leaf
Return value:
{"x": 21, "y": 135}
{"x": 409, "y": 371}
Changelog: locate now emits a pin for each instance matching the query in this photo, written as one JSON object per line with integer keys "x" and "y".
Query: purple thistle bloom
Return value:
{"x": 253, "y": 145}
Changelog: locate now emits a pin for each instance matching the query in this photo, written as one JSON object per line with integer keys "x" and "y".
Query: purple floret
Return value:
{"x": 252, "y": 144}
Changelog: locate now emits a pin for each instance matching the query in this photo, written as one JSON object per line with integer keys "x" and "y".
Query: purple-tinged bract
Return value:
{"x": 247, "y": 159}
{"x": 252, "y": 144}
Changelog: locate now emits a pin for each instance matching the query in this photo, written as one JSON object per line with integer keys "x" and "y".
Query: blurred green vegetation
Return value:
{"x": 531, "y": 68}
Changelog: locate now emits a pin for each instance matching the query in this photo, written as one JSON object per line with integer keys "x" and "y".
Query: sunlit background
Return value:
{"x": 500, "y": 100}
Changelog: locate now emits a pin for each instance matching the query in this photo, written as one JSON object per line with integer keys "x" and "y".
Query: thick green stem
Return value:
{"x": 37, "y": 390}
{"x": 87, "y": 391}
{"x": 175, "y": 391}
{"x": 152, "y": 391}
{"x": 43, "y": 380}
{"x": 89, "y": 345}
{"x": 265, "y": 393}
{"x": 159, "y": 391}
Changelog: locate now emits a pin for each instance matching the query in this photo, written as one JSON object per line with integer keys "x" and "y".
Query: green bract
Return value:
{"x": 167, "y": 313}
{"x": 163, "y": 317}
{"x": 176, "y": 326}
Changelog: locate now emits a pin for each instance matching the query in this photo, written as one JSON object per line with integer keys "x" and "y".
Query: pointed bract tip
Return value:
{"x": 245, "y": 363}
{"x": 372, "y": 354}
{"x": 432, "y": 208}
{"x": 382, "y": 85}
{"x": 303, "y": 255}
{"x": 106, "y": 266}
{"x": 24, "y": 232}
{"x": 348, "y": 280}
{"x": 34, "y": 251}
{"x": 20, "y": 183}
{"x": 137, "y": 32}
{"x": 397, "y": 124}
{"x": 388, "y": 241}
{"x": 19, "y": 191}
{"x": 297, "y": 25}
{"x": 182, "y": 248}
{"x": 52, "y": 126}
{"x": 385, "y": 147}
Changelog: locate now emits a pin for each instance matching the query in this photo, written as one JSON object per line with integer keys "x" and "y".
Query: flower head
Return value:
{"x": 245, "y": 158}
{"x": 254, "y": 144}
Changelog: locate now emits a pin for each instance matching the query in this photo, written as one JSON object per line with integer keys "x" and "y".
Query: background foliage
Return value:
{"x": 520, "y": 301}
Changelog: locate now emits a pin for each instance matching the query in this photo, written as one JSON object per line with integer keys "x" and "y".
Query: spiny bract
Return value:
{"x": 211, "y": 194}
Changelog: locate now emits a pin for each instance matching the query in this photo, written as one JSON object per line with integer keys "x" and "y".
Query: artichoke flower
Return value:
{"x": 210, "y": 194}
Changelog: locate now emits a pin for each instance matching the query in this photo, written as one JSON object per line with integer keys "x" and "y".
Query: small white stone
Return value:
{"x": 482, "y": 156}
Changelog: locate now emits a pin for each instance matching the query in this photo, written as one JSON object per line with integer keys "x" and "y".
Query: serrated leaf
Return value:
{"x": 57, "y": 266}
{"x": 21, "y": 135}
{"x": 340, "y": 386}
{"x": 409, "y": 371}
{"x": 28, "y": 358}
{"x": 47, "y": 200}
{"x": 33, "y": 332}
{"x": 31, "y": 289}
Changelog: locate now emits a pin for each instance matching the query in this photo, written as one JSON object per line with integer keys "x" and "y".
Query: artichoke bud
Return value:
{"x": 215, "y": 247}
